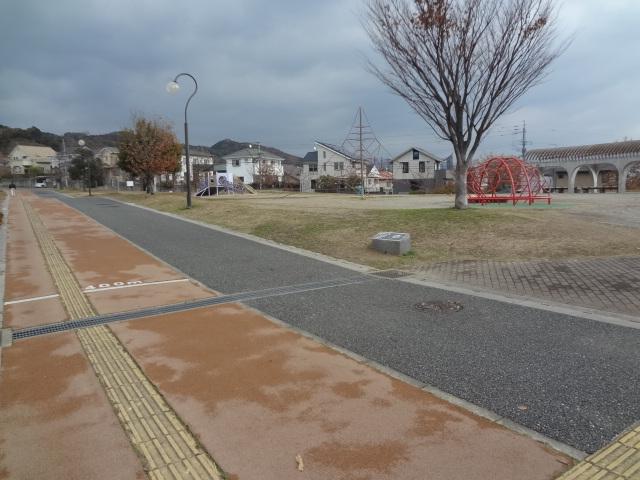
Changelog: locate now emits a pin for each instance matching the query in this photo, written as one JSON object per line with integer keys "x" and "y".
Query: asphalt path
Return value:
{"x": 572, "y": 379}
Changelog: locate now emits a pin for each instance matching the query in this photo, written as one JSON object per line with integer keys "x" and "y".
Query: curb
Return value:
{"x": 3, "y": 271}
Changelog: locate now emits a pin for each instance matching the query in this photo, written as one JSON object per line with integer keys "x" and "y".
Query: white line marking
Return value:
{"x": 24, "y": 300}
{"x": 95, "y": 290}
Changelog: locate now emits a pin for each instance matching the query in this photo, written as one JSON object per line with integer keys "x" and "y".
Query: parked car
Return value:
{"x": 41, "y": 182}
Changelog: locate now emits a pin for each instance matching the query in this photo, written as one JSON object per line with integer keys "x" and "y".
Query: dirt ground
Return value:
{"x": 574, "y": 226}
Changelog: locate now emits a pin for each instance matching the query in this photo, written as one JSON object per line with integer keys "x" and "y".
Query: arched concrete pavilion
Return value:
{"x": 588, "y": 166}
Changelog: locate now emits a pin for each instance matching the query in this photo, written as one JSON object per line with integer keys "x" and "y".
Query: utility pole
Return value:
{"x": 361, "y": 144}
{"x": 360, "y": 149}
{"x": 524, "y": 138}
{"x": 260, "y": 167}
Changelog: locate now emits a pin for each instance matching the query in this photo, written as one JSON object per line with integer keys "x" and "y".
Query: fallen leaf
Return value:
{"x": 523, "y": 408}
{"x": 300, "y": 463}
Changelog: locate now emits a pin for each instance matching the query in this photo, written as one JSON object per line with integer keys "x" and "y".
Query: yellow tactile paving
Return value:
{"x": 618, "y": 461}
{"x": 166, "y": 446}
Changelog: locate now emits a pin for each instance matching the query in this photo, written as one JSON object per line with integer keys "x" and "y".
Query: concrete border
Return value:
{"x": 4, "y": 229}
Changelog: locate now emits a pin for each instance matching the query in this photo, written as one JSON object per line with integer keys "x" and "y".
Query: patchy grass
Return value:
{"x": 437, "y": 234}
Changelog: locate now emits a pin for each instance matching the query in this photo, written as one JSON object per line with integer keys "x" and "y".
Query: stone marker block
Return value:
{"x": 392, "y": 243}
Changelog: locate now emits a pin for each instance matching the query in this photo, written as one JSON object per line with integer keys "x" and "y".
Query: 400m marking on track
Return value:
{"x": 111, "y": 285}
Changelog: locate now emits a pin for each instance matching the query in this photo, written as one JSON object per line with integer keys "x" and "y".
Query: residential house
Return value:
{"x": 200, "y": 160}
{"x": 109, "y": 158}
{"x": 379, "y": 181}
{"x": 255, "y": 166}
{"x": 416, "y": 169}
{"x": 327, "y": 160}
{"x": 24, "y": 157}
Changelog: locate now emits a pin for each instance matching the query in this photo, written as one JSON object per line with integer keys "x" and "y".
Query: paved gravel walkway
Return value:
{"x": 572, "y": 379}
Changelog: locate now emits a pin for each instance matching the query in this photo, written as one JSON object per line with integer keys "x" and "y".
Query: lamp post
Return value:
{"x": 173, "y": 87}
{"x": 81, "y": 143}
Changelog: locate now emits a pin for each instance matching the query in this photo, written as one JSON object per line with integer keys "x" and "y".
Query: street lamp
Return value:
{"x": 172, "y": 88}
{"x": 81, "y": 144}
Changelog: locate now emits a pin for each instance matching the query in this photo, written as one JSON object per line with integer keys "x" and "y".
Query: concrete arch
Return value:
{"x": 623, "y": 175}
{"x": 607, "y": 175}
{"x": 574, "y": 173}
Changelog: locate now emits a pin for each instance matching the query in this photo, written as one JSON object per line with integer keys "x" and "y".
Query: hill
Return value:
{"x": 34, "y": 136}
{"x": 69, "y": 141}
{"x": 26, "y": 136}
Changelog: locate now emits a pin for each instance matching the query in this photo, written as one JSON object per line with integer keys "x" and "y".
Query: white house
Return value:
{"x": 252, "y": 165}
{"x": 24, "y": 157}
{"x": 379, "y": 182}
{"x": 416, "y": 169}
{"x": 198, "y": 159}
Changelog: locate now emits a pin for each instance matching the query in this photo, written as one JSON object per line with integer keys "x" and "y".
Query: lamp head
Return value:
{"x": 172, "y": 87}
{"x": 81, "y": 143}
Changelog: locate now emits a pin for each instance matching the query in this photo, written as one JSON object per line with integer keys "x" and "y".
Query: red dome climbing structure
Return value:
{"x": 506, "y": 179}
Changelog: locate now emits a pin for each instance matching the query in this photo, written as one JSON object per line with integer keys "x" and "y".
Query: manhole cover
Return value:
{"x": 391, "y": 273}
{"x": 437, "y": 306}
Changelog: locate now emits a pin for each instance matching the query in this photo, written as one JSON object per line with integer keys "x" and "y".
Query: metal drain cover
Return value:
{"x": 391, "y": 273}
{"x": 438, "y": 306}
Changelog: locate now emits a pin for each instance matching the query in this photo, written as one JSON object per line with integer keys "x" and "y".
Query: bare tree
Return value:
{"x": 461, "y": 64}
{"x": 265, "y": 174}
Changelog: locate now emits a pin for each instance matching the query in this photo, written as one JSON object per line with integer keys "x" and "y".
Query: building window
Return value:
{"x": 416, "y": 155}
{"x": 236, "y": 163}
{"x": 313, "y": 167}
{"x": 324, "y": 167}
{"x": 421, "y": 167}
{"x": 324, "y": 154}
{"x": 338, "y": 166}
{"x": 405, "y": 167}
{"x": 313, "y": 184}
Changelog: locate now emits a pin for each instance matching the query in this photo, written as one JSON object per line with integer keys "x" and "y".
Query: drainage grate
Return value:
{"x": 181, "y": 307}
{"x": 391, "y": 273}
{"x": 438, "y": 306}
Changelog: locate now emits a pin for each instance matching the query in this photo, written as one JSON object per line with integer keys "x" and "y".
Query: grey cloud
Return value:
{"x": 284, "y": 73}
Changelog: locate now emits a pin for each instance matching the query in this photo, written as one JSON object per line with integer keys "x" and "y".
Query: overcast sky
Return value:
{"x": 284, "y": 72}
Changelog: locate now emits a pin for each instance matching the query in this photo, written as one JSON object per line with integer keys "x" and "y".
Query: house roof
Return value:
{"x": 108, "y": 150}
{"x": 310, "y": 157}
{"x": 386, "y": 175}
{"x": 600, "y": 150}
{"x": 35, "y": 151}
{"x": 421, "y": 150}
{"x": 198, "y": 152}
{"x": 339, "y": 150}
{"x": 252, "y": 153}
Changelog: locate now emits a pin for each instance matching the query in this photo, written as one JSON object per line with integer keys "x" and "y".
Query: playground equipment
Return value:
{"x": 216, "y": 183}
{"x": 506, "y": 179}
